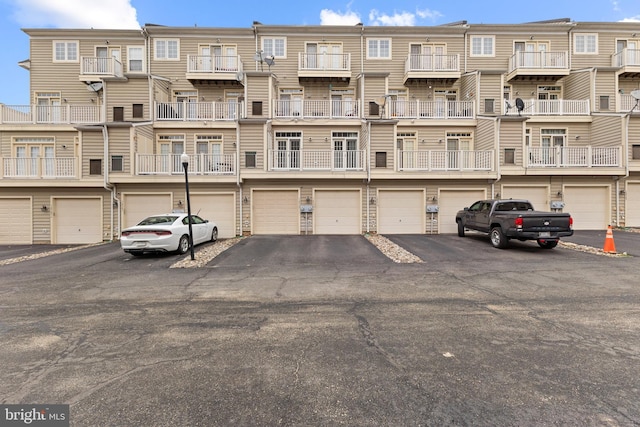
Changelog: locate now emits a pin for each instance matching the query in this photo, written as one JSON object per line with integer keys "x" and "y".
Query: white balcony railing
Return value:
{"x": 626, "y": 58}
{"x": 428, "y": 109}
{"x": 584, "y": 157}
{"x": 550, "y": 107}
{"x": 629, "y": 104}
{"x": 186, "y": 111}
{"x": 541, "y": 60}
{"x": 324, "y": 61}
{"x": 32, "y": 167}
{"x": 318, "y": 160}
{"x": 311, "y": 109}
{"x": 98, "y": 66}
{"x": 199, "y": 164}
{"x": 432, "y": 63}
{"x": 446, "y": 160}
{"x": 213, "y": 64}
{"x": 51, "y": 114}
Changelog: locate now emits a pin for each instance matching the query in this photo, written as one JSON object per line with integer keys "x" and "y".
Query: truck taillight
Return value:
{"x": 571, "y": 221}
{"x": 519, "y": 222}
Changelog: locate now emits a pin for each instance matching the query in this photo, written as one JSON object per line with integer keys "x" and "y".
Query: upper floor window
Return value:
{"x": 585, "y": 43}
{"x": 379, "y": 48}
{"x": 483, "y": 45}
{"x": 65, "y": 51}
{"x": 135, "y": 58}
{"x": 276, "y": 46}
{"x": 167, "y": 49}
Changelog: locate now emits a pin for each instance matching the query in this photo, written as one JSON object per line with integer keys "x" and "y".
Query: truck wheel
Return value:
{"x": 460, "y": 229}
{"x": 498, "y": 239}
{"x": 547, "y": 244}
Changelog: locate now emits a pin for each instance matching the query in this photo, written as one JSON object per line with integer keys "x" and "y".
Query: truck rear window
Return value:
{"x": 514, "y": 206}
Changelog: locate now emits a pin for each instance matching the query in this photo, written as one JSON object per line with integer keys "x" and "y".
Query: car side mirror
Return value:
{"x": 466, "y": 209}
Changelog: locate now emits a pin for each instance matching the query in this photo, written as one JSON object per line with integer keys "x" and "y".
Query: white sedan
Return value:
{"x": 167, "y": 233}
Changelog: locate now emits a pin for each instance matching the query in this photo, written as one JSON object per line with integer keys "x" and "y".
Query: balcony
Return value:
{"x": 324, "y": 65}
{"x": 96, "y": 68}
{"x": 310, "y": 109}
{"x": 317, "y": 160}
{"x": 39, "y": 168}
{"x": 199, "y": 164}
{"x": 212, "y": 68}
{"x": 550, "y": 107}
{"x": 446, "y": 160}
{"x": 443, "y": 67}
{"x": 542, "y": 64}
{"x": 401, "y": 109}
{"x": 628, "y": 60}
{"x": 574, "y": 157}
{"x": 628, "y": 104}
{"x": 199, "y": 111}
{"x": 50, "y": 114}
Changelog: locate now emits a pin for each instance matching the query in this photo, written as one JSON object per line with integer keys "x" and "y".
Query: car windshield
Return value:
{"x": 155, "y": 220}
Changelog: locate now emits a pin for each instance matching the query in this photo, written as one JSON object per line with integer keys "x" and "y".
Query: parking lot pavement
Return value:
{"x": 625, "y": 241}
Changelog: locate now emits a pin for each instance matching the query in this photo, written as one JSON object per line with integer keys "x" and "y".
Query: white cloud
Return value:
{"x": 113, "y": 14}
{"x": 397, "y": 19}
{"x": 330, "y": 17}
{"x": 429, "y": 14}
{"x": 632, "y": 19}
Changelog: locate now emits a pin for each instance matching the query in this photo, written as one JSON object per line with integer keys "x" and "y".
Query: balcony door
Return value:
{"x": 458, "y": 146}
{"x": 550, "y": 141}
{"x": 104, "y": 53}
{"x": 49, "y": 108}
{"x": 627, "y": 52}
{"x": 407, "y": 144}
{"x": 287, "y": 149}
{"x": 345, "y": 151}
{"x": 531, "y": 54}
{"x": 186, "y": 104}
{"x": 324, "y": 56}
{"x": 170, "y": 147}
{"x": 290, "y": 102}
{"x": 28, "y": 156}
{"x": 209, "y": 154}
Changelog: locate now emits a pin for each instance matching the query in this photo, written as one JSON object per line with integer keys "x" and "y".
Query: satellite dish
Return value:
{"x": 519, "y": 105}
{"x": 94, "y": 87}
{"x": 635, "y": 94}
{"x": 239, "y": 76}
{"x": 269, "y": 60}
{"x": 381, "y": 101}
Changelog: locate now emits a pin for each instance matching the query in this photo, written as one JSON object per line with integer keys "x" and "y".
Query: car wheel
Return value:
{"x": 498, "y": 239}
{"x": 547, "y": 244}
{"x": 214, "y": 234}
{"x": 460, "y": 229}
{"x": 183, "y": 245}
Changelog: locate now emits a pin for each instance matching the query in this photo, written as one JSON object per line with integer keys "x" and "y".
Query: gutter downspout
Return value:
{"x": 368, "y": 174}
{"x": 626, "y": 167}
{"x": 107, "y": 186}
{"x": 238, "y": 173}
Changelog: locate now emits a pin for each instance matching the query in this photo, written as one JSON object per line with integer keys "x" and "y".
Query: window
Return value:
{"x": 482, "y": 45}
{"x": 138, "y": 111}
{"x": 489, "y": 105}
{"x": 374, "y": 109}
{"x": 250, "y": 159}
{"x": 604, "y": 102}
{"x": 65, "y": 51}
{"x": 135, "y": 56}
{"x": 585, "y": 43}
{"x": 167, "y": 49}
{"x": 381, "y": 159}
{"x": 276, "y": 46}
{"x": 379, "y": 48}
{"x": 509, "y": 156}
{"x": 635, "y": 152}
{"x": 256, "y": 108}
{"x": 118, "y": 114}
{"x": 117, "y": 163}
{"x": 95, "y": 166}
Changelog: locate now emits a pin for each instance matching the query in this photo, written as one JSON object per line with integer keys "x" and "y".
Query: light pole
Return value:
{"x": 185, "y": 164}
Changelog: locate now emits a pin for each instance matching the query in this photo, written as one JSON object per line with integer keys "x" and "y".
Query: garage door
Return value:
{"x": 337, "y": 212}
{"x": 450, "y": 202}
{"x": 137, "y": 207}
{"x": 589, "y": 206}
{"x": 15, "y": 221}
{"x": 275, "y": 212}
{"x": 219, "y": 208}
{"x": 401, "y": 211}
{"x": 538, "y": 196}
{"x": 77, "y": 221}
{"x": 632, "y": 211}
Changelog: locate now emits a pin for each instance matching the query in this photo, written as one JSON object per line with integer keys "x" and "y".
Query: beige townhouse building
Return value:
{"x": 320, "y": 129}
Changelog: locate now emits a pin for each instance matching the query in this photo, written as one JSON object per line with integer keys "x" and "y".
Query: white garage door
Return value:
{"x": 15, "y": 221}
{"x": 219, "y": 208}
{"x": 337, "y": 212}
{"x": 275, "y": 212}
{"x": 450, "y": 202}
{"x": 401, "y": 211}
{"x": 589, "y": 206}
{"x": 538, "y": 196}
{"x": 77, "y": 221}
{"x": 137, "y": 207}
{"x": 632, "y": 211}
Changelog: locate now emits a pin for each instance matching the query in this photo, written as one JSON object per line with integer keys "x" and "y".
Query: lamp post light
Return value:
{"x": 185, "y": 164}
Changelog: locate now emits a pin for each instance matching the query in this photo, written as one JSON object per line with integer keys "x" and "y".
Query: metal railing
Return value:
{"x": 541, "y": 60}
{"x": 626, "y": 58}
{"x": 51, "y": 114}
{"x": 213, "y": 64}
{"x": 584, "y": 157}
{"x": 99, "y": 66}
{"x": 39, "y": 167}
{"x": 446, "y": 160}
{"x": 311, "y": 109}
{"x": 550, "y": 107}
{"x": 324, "y": 61}
{"x": 325, "y": 160}
{"x": 433, "y": 63}
{"x": 186, "y": 111}
{"x": 199, "y": 164}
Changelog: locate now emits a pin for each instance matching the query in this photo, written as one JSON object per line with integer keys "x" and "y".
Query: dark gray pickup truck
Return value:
{"x": 514, "y": 219}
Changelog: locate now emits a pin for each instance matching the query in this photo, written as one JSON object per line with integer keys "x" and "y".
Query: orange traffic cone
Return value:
{"x": 609, "y": 245}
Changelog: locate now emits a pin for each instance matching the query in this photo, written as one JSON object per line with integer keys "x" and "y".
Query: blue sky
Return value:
{"x": 18, "y": 14}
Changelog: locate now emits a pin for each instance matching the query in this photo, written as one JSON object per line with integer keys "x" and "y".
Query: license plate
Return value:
{"x": 141, "y": 244}
{"x": 544, "y": 234}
